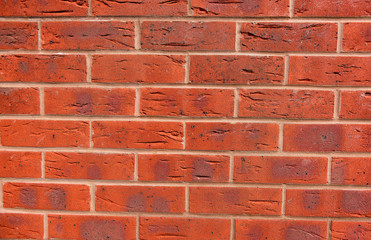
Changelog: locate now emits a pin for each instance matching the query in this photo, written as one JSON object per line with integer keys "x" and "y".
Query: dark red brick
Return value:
{"x": 355, "y": 105}
{"x": 357, "y": 37}
{"x": 19, "y": 101}
{"x": 18, "y": 35}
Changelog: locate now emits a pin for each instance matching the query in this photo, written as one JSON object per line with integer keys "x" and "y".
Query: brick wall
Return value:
{"x": 175, "y": 119}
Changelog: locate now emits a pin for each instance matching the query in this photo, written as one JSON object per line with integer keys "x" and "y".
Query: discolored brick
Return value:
{"x": 355, "y": 105}
{"x": 20, "y": 226}
{"x": 18, "y": 35}
{"x": 19, "y": 101}
{"x": 351, "y": 171}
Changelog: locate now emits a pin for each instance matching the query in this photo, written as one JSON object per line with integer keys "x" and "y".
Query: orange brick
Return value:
{"x": 20, "y": 164}
{"x": 19, "y": 101}
{"x": 357, "y": 37}
{"x": 21, "y": 226}
{"x": 351, "y": 171}
{"x": 350, "y": 230}
{"x": 18, "y": 35}
{"x": 355, "y": 104}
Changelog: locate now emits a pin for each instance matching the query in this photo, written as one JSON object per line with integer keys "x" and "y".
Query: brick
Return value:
{"x": 18, "y": 35}
{"x": 285, "y": 103}
{"x": 323, "y": 8}
{"x": 355, "y": 105}
{"x": 184, "y": 228}
{"x": 46, "y": 196}
{"x": 228, "y": 136}
{"x": 296, "y": 170}
{"x": 251, "y": 70}
{"x": 21, "y": 226}
{"x": 327, "y": 137}
{"x": 20, "y": 164}
{"x": 351, "y": 171}
{"x": 43, "y": 133}
{"x": 90, "y": 101}
{"x": 187, "y": 102}
{"x": 232, "y": 200}
{"x": 183, "y": 168}
{"x": 19, "y": 101}
{"x": 260, "y": 229}
{"x": 91, "y": 227}
{"x": 188, "y": 35}
{"x": 132, "y": 134}
{"x": 88, "y": 35}
{"x": 292, "y": 37}
{"x": 138, "y": 68}
{"x": 330, "y": 71}
{"x": 39, "y": 8}
{"x": 357, "y": 37}
{"x": 140, "y": 199}
{"x": 257, "y": 8}
{"x": 89, "y": 166}
{"x": 350, "y": 230}
{"x": 328, "y": 203}
{"x": 140, "y": 8}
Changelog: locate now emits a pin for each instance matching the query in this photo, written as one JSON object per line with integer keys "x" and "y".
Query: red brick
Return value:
{"x": 350, "y": 230}
{"x": 18, "y": 35}
{"x": 184, "y": 228}
{"x": 140, "y": 199}
{"x": 297, "y": 170}
{"x": 183, "y": 168}
{"x": 91, "y": 227}
{"x": 324, "y": 8}
{"x": 351, "y": 171}
{"x": 43, "y": 133}
{"x": 131, "y": 134}
{"x": 327, "y": 137}
{"x": 188, "y": 35}
{"x": 357, "y": 37}
{"x": 328, "y": 203}
{"x": 259, "y": 229}
{"x": 251, "y": 70}
{"x": 229, "y": 136}
{"x": 232, "y": 200}
{"x": 355, "y": 104}
{"x": 89, "y": 166}
{"x": 138, "y": 68}
{"x": 278, "y": 103}
{"x": 292, "y": 37}
{"x": 187, "y": 102}
{"x": 331, "y": 71}
{"x": 259, "y": 8}
{"x": 21, "y": 226}
{"x": 90, "y": 101}
{"x": 140, "y": 8}
{"x": 20, "y": 164}
{"x": 43, "y": 8}
{"x": 46, "y": 196}
{"x": 88, "y": 35}
{"x": 19, "y": 101}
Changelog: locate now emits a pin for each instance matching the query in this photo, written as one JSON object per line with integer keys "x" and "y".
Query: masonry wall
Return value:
{"x": 175, "y": 119}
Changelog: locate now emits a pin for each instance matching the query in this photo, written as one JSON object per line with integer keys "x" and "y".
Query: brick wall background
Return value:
{"x": 175, "y": 119}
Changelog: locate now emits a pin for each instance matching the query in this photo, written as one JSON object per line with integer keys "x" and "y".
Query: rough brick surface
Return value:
{"x": 355, "y": 105}
{"x": 20, "y": 164}
{"x": 350, "y": 171}
{"x": 18, "y": 226}
{"x": 18, "y": 35}
{"x": 357, "y": 37}
{"x": 19, "y": 101}
{"x": 350, "y": 230}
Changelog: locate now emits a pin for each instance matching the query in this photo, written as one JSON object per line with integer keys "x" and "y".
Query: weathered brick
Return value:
{"x": 88, "y": 35}
{"x": 21, "y": 226}
{"x": 328, "y": 203}
{"x": 331, "y": 71}
{"x": 90, "y": 101}
{"x": 351, "y": 171}
{"x": 184, "y": 228}
{"x": 255, "y": 169}
{"x": 18, "y": 35}
{"x": 44, "y": 133}
{"x": 138, "y": 68}
{"x": 91, "y": 227}
{"x": 19, "y": 101}
{"x": 327, "y": 137}
{"x": 228, "y": 136}
{"x": 131, "y": 134}
{"x": 140, "y": 199}
{"x": 187, "y": 102}
{"x": 20, "y": 164}
{"x": 232, "y": 200}
{"x": 188, "y": 35}
{"x": 293, "y": 37}
{"x": 46, "y": 196}
{"x": 355, "y": 104}
{"x": 341, "y": 230}
{"x": 89, "y": 166}
{"x": 278, "y": 103}
{"x": 251, "y": 70}
{"x": 357, "y": 37}
{"x": 180, "y": 168}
